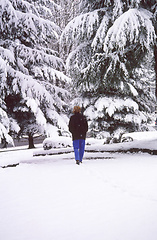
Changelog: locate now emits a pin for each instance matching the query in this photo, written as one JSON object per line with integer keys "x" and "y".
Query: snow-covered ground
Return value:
{"x": 111, "y": 196}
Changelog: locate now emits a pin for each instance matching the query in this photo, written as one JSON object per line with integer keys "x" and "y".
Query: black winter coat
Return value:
{"x": 78, "y": 126}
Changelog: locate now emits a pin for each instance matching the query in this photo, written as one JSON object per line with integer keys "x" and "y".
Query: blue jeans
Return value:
{"x": 79, "y": 146}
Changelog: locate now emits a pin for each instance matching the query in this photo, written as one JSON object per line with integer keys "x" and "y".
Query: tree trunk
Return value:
{"x": 30, "y": 141}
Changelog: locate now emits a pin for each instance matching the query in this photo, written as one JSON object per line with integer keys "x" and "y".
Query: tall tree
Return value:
{"x": 109, "y": 50}
{"x": 68, "y": 10}
{"x": 34, "y": 89}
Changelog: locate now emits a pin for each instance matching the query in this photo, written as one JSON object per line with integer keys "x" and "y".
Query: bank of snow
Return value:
{"x": 110, "y": 196}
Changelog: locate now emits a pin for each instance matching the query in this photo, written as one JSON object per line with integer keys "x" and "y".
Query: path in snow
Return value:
{"x": 45, "y": 198}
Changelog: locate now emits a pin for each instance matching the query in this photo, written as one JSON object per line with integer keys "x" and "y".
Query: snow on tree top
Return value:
{"x": 130, "y": 25}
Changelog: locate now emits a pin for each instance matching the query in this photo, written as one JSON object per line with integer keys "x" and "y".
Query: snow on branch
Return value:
{"x": 82, "y": 27}
{"x": 39, "y": 25}
{"x": 39, "y": 56}
{"x": 7, "y": 55}
{"x": 20, "y": 20}
{"x": 29, "y": 87}
{"x": 4, "y": 135}
{"x": 111, "y": 105}
{"x": 25, "y": 6}
{"x": 7, "y": 7}
{"x": 48, "y": 8}
{"x": 101, "y": 33}
{"x": 3, "y": 75}
{"x": 43, "y": 92}
{"x": 131, "y": 26}
{"x": 4, "y": 127}
{"x": 51, "y": 75}
{"x": 4, "y": 119}
{"x": 35, "y": 107}
{"x": 78, "y": 57}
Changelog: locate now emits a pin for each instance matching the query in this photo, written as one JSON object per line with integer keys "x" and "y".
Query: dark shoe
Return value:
{"x": 77, "y": 162}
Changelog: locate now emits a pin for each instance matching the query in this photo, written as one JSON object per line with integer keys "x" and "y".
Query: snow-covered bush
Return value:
{"x": 57, "y": 142}
{"x": 64, "y": 142}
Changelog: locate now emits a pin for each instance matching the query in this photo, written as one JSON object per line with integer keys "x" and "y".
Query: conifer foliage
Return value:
{"x": 33, "y": 91}
{"x": 107, "y": 47}
{"x": 109, "y": 51}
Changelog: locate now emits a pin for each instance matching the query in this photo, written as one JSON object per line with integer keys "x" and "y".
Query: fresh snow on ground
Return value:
{"x": 110, "y": 196}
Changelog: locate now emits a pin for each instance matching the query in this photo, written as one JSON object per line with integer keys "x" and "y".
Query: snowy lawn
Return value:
{"x": 111, "y": 196}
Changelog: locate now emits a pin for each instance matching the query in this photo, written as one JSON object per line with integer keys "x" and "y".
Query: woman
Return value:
{"x": 78, "y": 126}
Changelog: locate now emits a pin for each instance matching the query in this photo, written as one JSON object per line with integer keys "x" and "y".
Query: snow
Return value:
{"x": 101, "y": 32}
{"x": 111, "y": 105}
{"x": 130, "y": 23}
{"x": 109, "y": 196}
{"x": 43, "y": 194}
{"x": 31, "y": 61}
{"x": 75, "y": 28}
{"x": 34, "y": 106}
{"x": 148, "y": 135}
{"x": 4, "y": 133}
{"x": 7, "y": 54}
{"x": 133, "y": 90}
{"x": 57, "y": 142}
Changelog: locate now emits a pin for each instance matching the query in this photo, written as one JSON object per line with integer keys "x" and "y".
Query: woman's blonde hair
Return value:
{"x": 76, "y": 109}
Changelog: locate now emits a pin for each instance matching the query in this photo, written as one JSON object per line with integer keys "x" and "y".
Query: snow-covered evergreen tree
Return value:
{"x": 68, "y": 10}
{"x": 34, "y": 89}
{"x": 109, "y": 53}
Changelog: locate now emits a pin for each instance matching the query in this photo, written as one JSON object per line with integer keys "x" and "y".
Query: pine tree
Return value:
{"x": 68, "y": 10}
{"x": 34, "y": 89}
{"x": 107, "y": 47}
